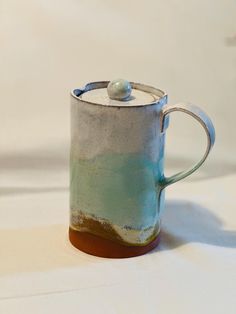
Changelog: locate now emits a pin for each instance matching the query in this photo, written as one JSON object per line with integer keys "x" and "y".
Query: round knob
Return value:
{"x": 119, "y": 89}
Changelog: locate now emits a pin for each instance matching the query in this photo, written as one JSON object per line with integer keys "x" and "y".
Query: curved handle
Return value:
{"x": 205, "y": 121}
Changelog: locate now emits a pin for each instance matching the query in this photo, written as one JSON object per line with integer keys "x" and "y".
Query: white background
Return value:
{"x": 188, "y": 49}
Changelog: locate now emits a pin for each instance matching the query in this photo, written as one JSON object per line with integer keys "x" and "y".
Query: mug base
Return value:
{"x": 98, "y": 246}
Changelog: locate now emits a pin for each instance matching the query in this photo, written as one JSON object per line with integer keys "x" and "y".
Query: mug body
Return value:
{"x": 116, "y": 165}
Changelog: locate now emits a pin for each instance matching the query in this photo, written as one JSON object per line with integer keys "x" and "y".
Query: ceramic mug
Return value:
{"x": 117, "y": 180}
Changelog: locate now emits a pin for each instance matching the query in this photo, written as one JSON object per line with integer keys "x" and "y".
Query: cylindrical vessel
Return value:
{"x": 116, "y": 170}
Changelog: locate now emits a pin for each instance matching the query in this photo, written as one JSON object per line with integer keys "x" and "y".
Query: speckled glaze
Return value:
{"x": 116, "y": 166}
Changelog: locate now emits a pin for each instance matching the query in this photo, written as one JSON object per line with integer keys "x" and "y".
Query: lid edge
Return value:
{"x": 76, "y": 93}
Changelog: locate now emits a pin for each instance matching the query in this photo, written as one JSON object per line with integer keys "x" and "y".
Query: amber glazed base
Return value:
{"x": 99, "y": 246}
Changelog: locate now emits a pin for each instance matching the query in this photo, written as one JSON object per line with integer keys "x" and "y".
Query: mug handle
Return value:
{"x": 204, "y": 120}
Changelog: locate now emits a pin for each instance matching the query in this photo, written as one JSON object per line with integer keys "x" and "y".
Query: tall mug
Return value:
{"x": 117, "y": 182}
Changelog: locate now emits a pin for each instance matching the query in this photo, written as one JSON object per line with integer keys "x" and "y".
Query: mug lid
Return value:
{"x": 120, "y": 93}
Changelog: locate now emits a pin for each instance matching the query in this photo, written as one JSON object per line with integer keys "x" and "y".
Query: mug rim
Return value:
{"x": 162, "y": 96}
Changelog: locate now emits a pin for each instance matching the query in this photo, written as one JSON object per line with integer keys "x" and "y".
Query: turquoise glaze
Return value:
{"x": 124, "y": 189}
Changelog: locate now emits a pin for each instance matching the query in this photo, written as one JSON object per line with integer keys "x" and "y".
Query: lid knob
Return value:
{"x": 119, "y": 89}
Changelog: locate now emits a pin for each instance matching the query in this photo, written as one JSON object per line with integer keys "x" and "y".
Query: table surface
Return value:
{"x": 50, "y": 47}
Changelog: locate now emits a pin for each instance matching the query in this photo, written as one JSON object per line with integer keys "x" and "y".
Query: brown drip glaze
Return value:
{"x": 98, "y": 246}
{"x": 104, "y": 229}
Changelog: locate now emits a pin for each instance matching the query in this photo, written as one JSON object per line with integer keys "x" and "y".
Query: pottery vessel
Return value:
{"x": 117, "y": 181}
